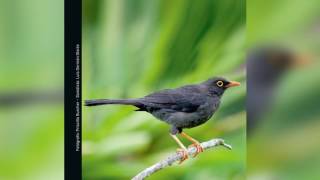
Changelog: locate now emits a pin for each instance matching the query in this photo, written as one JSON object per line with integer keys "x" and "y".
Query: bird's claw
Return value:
{"x": 184, "y": 154}
{"x": 198, "y": 147}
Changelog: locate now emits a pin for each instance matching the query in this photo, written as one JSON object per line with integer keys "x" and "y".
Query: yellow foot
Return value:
{"x": 198, "y": 147}
{"x": 184, "y": 154}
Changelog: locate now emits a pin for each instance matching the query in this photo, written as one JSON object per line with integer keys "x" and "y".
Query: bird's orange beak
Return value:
{"x": 232, "y": 84}
{"x": 302, "y": 60}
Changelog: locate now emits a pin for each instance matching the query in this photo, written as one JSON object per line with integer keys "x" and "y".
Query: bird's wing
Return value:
{"x": 185, "y": 99}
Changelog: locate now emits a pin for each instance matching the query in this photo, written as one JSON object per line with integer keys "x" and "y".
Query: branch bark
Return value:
{"x": 177, "y": 156}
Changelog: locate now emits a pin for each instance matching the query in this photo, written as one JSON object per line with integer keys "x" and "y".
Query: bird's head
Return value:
{"x": 217, "y": 85}
{"x": 266, "y": 65}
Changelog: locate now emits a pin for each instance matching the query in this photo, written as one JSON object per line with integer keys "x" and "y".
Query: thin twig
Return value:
{"x": 176, "y": 157}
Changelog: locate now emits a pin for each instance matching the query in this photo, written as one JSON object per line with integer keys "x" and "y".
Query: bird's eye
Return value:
{"x": 220, "y": 83}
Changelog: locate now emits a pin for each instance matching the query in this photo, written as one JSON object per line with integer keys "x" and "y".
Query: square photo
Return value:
{"x": 163, "y": 86}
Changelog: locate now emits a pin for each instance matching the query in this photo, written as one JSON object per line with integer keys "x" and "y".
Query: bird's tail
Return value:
{"x": 98, "y": 102}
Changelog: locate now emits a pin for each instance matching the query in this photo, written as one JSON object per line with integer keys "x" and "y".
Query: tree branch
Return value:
{"x": 177, "y": 156}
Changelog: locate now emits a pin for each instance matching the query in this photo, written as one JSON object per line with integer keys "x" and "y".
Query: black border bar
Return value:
{"x": 72, "y": 89}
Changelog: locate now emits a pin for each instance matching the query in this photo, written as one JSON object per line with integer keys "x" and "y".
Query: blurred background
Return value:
{"x": 131, "y": 48}
{"x": 31, "y": 90}
{"x": 283, "y": 83}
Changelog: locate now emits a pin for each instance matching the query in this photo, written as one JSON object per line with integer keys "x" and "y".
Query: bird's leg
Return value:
{"x": 183, "y": 150}
{"x": 195, "y": 143}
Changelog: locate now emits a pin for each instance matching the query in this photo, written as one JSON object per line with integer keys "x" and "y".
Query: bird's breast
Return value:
{"x": 202, "y": 115}
{"x": 207, "y": 110}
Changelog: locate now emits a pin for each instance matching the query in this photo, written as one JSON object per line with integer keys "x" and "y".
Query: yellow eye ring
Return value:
{"x": 220, "y": 83}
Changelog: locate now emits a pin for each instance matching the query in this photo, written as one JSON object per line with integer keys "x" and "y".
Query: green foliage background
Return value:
{"x": 31, "y": 60}
{"x": 286, "y": 145}
{"x": 131, "y": 48}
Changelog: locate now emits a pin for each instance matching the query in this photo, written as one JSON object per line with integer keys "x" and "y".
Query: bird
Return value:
{"x": 266, "y": 66}
{"x": 184, "y": 107}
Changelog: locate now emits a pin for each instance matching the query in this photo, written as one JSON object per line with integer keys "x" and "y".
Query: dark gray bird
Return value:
{"x": 265, "y": 68}
{"x": 185, "y": 107}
